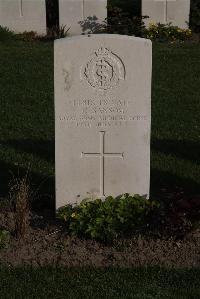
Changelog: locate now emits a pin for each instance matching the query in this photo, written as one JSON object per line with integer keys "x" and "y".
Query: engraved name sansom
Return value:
{"x": 104, "y": 70}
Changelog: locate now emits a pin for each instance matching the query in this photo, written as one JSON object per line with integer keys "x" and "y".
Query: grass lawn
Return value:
{"x": 27, "y": 141}
{"x": 27, "y": 116}
{"x": 175, "y": 148}
{"x": 60, "y": 283}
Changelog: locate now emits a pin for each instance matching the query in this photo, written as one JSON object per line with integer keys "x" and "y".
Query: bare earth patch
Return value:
{"x": 46, "y": 243}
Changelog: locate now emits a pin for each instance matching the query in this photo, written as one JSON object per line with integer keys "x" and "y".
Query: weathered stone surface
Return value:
{"x": 82, "y": 16}
{"x": 102, "y": 115}
{"x": 23, "y": 15}
{"x": 166, "y": 11}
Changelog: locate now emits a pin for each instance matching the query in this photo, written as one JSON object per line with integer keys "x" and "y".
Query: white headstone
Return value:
{"x": 23, "y": 15}
{"x": 102, "y": 115}
{"x": 82, "y": 15}
{"x": 167, "y": 11}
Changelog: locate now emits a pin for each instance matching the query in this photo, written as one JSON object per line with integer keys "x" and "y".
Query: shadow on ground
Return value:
{"x": 44, "y": 149}
{"x": 185, "y": 150}
{"x": 188, "y": 150}
{"x": 46, "y": 184}
{"x": 42, "y": 185}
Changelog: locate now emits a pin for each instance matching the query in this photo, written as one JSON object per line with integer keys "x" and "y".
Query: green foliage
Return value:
{"x": 195, "y": 15}
{"x": 167, "y": 33}
{"x": 53, "y": 33}
{"x": 4, "y": 238}
{"x": 91, "y": 25}
{"x": 27, "y": 36}
{"x": 120, "y": 22}
{"x": 107, "y": 219}
{"x": 57, "y": 32}
{"x": 6, "y": 34}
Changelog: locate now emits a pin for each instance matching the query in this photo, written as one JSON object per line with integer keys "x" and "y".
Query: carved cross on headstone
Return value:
{"x": 165, "y": 8}
{"x": 21, "y": 8}
{"x": 102, "y": 155}
{"x": 83, "y": 10}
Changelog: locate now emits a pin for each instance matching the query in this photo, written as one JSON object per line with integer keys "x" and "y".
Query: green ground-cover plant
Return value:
{"x": 107, "y": 219}
{"x": 166, "y": 33}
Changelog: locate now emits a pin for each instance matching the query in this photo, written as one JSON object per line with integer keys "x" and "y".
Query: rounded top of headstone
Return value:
{"x": 145, "y": 41}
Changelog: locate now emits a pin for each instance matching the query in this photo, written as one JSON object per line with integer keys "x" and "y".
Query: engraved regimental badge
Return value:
{"x": 104, "y": 70}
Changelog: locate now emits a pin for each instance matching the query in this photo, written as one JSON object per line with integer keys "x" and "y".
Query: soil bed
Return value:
{"x": 46, "y": 243}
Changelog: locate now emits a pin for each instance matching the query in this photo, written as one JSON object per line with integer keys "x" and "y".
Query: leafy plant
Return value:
{"x": 166, "y": 33}
{"x": 121, "y": 22}
{"x": 91, "y": 25}
{"x": 6, "y": 34}
{"x": 4, "y": 238}
{"x": 57, "y": 32}
{"x": 107, "y": 219}
{"x": 27, "y": 36}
